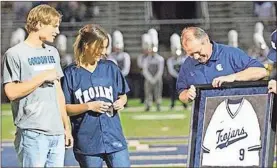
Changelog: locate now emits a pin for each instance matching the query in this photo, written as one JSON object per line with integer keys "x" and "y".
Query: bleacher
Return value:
{"x": 133, "y": 18}
{"x": 228, "y": 15}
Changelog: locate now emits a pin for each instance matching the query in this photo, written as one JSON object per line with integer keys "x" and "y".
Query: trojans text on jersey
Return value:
{"x": 225, "y": 138}
{"x": 94, "y": 92}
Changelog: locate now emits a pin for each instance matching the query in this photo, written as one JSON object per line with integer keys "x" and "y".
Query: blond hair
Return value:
{"x": 88, "y": 35}
{"x": 45, "y": 14}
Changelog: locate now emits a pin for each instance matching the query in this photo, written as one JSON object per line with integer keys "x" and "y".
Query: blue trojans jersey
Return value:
{"x": 95, "y": 132}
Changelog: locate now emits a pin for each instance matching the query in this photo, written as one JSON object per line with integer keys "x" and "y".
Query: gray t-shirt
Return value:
{"x": 39, "y": 110}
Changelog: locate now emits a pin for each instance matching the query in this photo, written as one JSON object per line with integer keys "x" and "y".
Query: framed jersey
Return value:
{"x": 232, "y": 126}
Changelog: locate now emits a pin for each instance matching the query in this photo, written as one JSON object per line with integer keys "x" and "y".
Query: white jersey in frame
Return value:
{"x": 233, "y": 135}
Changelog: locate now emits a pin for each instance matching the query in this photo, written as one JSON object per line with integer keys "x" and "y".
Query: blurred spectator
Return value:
{"x": 73, "y": 11}
{"x": 21, "y": 9}
{"x": 260, "y": 49}
{"x": 92, "y": 9}
{"x": 61, "y": 45}
{"x": 119, "y": 57}
{"x": 96, "y": 10}
{"x": 259, "y": 28}
{"x": 18, "y": 36}
{"x": 233, "y": 38}
{"x": 109, "y": 48}
{"x": 264, "y": 9}
{"x": 153, "y": 71}
{"x": 146, "y": 46}
{"x": 174, "y": 63}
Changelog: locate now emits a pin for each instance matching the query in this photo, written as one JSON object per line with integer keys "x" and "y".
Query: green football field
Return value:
{"x": 135, "y": 121}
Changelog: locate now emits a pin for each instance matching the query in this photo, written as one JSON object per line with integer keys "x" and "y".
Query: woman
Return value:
{"x": 95, "y": 90}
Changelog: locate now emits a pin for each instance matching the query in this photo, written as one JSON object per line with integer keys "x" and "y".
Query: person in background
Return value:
{"x": 31, "y": 79}
{"x": 153, "y": 68}
{"x": 260, "y": 49}
{"x": 264, "y": 10}
{"x": 233, "y": 38}
{"x": 61, "y": 44}
{"x": 210, "y": 62}
{"x": 18, "y": 36}
{"x": 109, "y": 48}
{"x": 95, "y": 90}
{"x": 119, "y": 57}
{"x": 146, "y": 46}
{"x": 174, "y": 63}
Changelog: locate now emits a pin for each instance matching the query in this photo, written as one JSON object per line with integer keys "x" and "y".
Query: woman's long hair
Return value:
{"x": 91, "y": 35}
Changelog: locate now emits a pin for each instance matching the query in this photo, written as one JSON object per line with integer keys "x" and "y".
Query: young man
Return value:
{"x": 31, "y": 76}
{"x": 210, "y": 62}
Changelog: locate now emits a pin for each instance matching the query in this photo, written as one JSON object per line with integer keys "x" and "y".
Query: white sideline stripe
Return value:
{"x": 152, "y": 165}
{"x": 6, "y": 113}
{"x": 156, "y": 150}
{"x": 159, "y": 157}
{"x": 161, "y": 165}
{"x": 161, "y": 140}
{"x": 7, "y": 144}
{"x": 159, "y": 117}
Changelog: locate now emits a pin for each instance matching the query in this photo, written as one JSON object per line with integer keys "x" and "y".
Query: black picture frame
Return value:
{"x": 256, "y": 93}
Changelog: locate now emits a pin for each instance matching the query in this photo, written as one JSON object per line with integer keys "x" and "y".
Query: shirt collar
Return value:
{"x": 214, "y": 56}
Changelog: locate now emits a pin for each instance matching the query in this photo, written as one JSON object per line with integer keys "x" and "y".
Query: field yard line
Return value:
{"x": 149, "y": 165}
{"x": 142, "y": 108}
{"x": 156, "y": 149}
{"x": 157, "y": 137}
{"x": 6, "y": 113}
{"x": 7, "y": 144}
{"x": 160, "y": 165}
{"x": 159, "y": 117}
{"x": 159, "y": 157}
{"x": 161, "y": 140}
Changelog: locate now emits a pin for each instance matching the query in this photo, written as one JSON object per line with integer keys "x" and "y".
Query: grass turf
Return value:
{"x": 132, "y": 127}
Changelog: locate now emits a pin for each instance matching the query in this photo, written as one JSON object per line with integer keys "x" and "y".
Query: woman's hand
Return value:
{"x": 99, "y": 106}
{"x": 118, "y": 105}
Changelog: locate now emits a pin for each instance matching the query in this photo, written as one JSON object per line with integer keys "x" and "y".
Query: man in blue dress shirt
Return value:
{"x": 214, "y": 63}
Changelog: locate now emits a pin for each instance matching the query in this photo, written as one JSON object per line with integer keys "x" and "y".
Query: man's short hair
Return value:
{"x": 45, "y": 14}
{"x": 197, "y": 33}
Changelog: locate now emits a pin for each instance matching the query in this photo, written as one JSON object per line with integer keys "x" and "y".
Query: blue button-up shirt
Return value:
{"x": 95, "y": 132}
{"x": 225, "y": 60}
